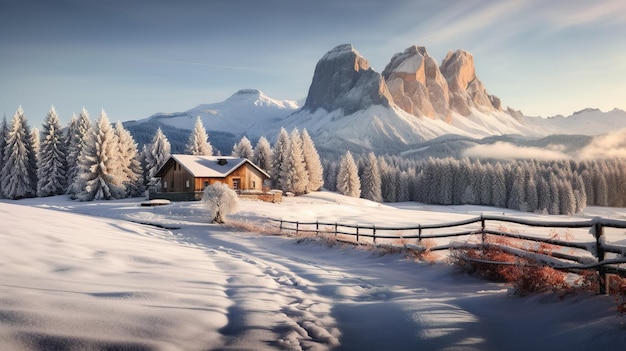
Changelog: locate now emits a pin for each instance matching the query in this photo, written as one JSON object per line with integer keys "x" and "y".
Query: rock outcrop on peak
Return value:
{"x": 412, "y": 81}
{"x": 466, "y": 90}
{"x": 417, "y": 85}
{"x": 343, "y": 79}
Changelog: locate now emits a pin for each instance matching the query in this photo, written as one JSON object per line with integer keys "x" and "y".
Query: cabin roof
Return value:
{"x": 208, "y": 166}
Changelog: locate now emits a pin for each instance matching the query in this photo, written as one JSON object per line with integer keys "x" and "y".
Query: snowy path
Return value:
{"x": 75, "y": 281}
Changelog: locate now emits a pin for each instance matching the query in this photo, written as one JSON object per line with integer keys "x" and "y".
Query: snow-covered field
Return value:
{"x": 86, "y": 276}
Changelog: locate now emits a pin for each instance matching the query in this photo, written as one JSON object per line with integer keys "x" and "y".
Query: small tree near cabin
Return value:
{"x": 220, "y": 201}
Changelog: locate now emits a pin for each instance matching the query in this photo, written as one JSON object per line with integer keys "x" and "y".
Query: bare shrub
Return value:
{"x": 493, "y": 262}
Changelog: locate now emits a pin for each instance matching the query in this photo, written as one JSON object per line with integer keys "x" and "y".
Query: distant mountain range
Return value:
{"x": 413, "y": 105}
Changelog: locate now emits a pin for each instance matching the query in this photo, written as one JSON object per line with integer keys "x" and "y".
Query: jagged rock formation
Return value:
{"x": 412, "y": 81}
{"x": 344, "y": 79}
{"x": 466, "y": 90}
{"x": 417, "y": 85}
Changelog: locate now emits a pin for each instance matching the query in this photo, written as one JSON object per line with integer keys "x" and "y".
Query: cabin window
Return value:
{"x": 253, "y": 184}
{"x": 164, "y": 185}
{"x": 205, "y": 184}
{"x": 236, "y": 184}
{"x": 187, "y": 183}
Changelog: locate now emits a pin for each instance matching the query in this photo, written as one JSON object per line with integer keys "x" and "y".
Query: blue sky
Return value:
{"x": 135, "y": 58}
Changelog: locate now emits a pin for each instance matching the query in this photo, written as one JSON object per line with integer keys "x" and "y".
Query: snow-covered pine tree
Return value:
{"x": 370, "y": 179}
{"x": 544, "y": 197}
{"x": 498, "y": 188}
{"x": 532, "y": 198}
{"x": 294, "y": 174}
{"x": 262, "y": 155}
{"x": 280, "y": 153}
{"x": 77, "y": 137}
{"x": 52, "y": 166}
{"x": 131, "y": 171}
{"x": 243, "y": 149}
{"x": 19, "y": 171}
{"x": 198, "y": 143}
{"x": 348, "y": 182}
{"x": 99, "y": 175}
{"x": 312, "y": 162}
{"x": 158, "y": 153}
{"x": 567, "y": 197}
{"x": 330, "y": 175}
{"x": 387, "y": 180}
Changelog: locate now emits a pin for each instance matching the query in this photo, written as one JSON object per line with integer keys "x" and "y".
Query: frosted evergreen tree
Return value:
{"x": 387, "y": 181}
{"x": 262, "y": 155}
{"x": 402, "y": 186}
{"x": 498, "y": 189}
{"x": 198, "y": 143}
{"x": 131, "y": 171}
{"x": 330, "y": 175}
{"x": 532, "y": 198}
{"x": 243, "y": 149}
{"x": 314, "y": 167}
{"x": 516, "y": 197}
{"x": 158, "y": 153}
{"x": 348, "y": 182}
{"x": 18, "y": 176}
{"x": 293, "y": 173}
{"x": 370, "y": 179}
{"x": 100, "y": 175}
{"x": 52, "y": 166}
{"x": 579, "y": 193}
{"x": 555, "y": 196}
{"x": 280, "y": 153}
{"x": 544, "y": 197}
{"x": 35, "y": 141}
{"x": 568, "y": 200}
{"x": 446, "y": 180}
{"x": 78, "y": 135}
{"x": 601, "y": 189}
{"x": 485, "y": 185}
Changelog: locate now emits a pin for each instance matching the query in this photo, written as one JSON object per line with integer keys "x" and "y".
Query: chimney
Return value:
{"x": 222, "y": 161}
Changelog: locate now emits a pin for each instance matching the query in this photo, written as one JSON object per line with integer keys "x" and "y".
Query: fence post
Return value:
{"x": 297, "y": 227}
{"x": 482, "y": 229}
{"x": 357, "y": 233}
{"x": 374, "y": 233}
{"x": 281, "y": 225}
{"x": 419, "y": 233}
{"x": 599, "y": 232}
{"x": 335, "y": 229}
{"x": 317, "y": 228}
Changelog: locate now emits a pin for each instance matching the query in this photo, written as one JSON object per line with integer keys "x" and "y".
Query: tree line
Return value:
{"x": 551, "y": 187}
{"x": 98, "y": 160}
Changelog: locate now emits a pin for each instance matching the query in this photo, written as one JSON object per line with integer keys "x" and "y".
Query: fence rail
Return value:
{"x": 598, "y": 248}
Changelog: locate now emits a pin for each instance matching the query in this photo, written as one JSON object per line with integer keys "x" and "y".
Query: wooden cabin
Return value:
{"x": 190, "y": 174}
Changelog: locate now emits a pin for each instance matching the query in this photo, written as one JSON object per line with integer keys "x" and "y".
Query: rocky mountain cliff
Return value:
{"x": 412, "y": 81}
{"x": 343, "y": 79}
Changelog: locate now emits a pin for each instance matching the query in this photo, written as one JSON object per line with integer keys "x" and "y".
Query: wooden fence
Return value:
{"x": 596, "y": 254}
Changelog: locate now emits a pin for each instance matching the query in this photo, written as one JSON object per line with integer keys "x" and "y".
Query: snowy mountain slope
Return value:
{"x": 247, "y": 111}
{"x": 585, "y": 122}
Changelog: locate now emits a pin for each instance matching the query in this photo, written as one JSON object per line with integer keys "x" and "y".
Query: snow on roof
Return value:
{"x": 211, "y": 166}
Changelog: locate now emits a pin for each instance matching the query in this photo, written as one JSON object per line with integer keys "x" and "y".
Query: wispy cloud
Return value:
{"x": 505, "y": 151}
{"x": 564, "y": 14}
{"x": 205, "y": 64}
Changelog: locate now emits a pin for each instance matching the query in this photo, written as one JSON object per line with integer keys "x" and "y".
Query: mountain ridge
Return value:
{"x": 350, "y": 106}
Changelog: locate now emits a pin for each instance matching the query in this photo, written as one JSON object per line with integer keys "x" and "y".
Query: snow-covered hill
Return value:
{"x": 248, "y": 111}
{"x": 590, "y": 121}
{"x": 82, "y": 276}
